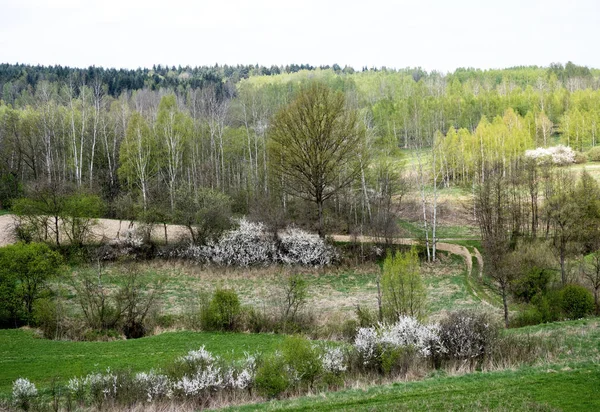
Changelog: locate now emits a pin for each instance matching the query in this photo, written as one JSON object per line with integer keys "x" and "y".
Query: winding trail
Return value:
{"x": 111, "y": 229}
{"x": 446, "y": 247}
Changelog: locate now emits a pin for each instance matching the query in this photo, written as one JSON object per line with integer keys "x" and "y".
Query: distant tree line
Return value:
{"x": 181, "y": 144}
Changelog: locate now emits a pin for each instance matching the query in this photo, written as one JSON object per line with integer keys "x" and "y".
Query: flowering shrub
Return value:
{"x": 245, "y": 246}
{"x": 334, "y": 360}
{"x": 558, "y": 155}
{"x": 372, "y": 344}
{"x": 203, "y": 380}
{"x": 251, "y": 244}
{"x": 366, "y": 344}
{"x": 155, "y": 385}
{"x": 297, "y": 247}
{"x": 467, "y": 335}
{"x": 23, "y": 393}
{"x": 205, "y": 373}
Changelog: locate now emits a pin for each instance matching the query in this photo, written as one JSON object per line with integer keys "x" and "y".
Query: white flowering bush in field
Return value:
{"x": 297, "y": 247}
{"x": 204, "y": 380}
{"x": 206, "y": 374}
{"x": 558, "y": 155}
{"x": 23, "y": 393}
{"x": 198, "y": 359}
{"x": 154, "y": 385}
{"x": 334, "y": 360}
{"x": 251, "y": 244}
{"x": 371, "y": 343}
{"x": 467, "y": 335}
{"x": 102, "y": 385}
{"x": 366, "y": 344}
{"x": 247, "y": 245}
{"x": 243, "y": 377}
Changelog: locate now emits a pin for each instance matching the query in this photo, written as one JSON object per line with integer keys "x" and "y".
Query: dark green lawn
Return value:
{"x": 539, "y": 389}
{"x": 40, "y": 360}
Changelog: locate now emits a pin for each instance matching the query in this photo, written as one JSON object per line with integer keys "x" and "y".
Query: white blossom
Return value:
{"x": 200, "y": 356}
{"x": 247, "y": 245}
{"x": 371, "y": 342}
{"x": 365, "y": 343}
{"x": 297, "y": 247}
{"x": 203, "y": 380}
{"x": 558, "y": 155}
{"x": 333, "y": 360}
{"x": 154, "y": 384}
{"x": 23, "y": 391}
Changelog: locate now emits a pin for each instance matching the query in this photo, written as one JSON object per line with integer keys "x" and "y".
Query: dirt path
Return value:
{"x": 446, "y": 247}
{"x": 109, "y": 229}
{"x": 6, "y": 230}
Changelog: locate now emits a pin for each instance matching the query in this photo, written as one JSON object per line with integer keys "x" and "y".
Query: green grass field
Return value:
{"x": 22, "y": 354}
{"x": 332, "y": 292}
{"x": 568, "y": 382}
{"x": 539, "y": 389}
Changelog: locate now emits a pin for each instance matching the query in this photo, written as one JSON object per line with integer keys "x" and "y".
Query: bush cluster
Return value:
{"x": 570, "y": 302}
{"x": 250, "y": 244}
{"x": 223, "y": 311}
{"x": 301, "y": 365}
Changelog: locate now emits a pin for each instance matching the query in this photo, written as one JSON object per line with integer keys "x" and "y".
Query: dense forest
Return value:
{"x": 150, "y": 142}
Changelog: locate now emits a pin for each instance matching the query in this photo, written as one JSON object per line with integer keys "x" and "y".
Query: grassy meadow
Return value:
{"x": 570, "y": 381}
{"x": 332, "y": 292}
{"x": 23, "y": 353}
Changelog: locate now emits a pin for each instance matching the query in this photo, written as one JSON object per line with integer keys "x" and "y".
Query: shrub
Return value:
{"x": 468, "y": 335}
{"x": 580, "y": 158}
{"x": 222, "y": 312}
{"x": 247, "y": 245}
{"x": 303, "y": 359}
{"x": 403, "y": 291}
{"x": 534, "y": 282}
{"x": 379, "y": 347}
{"x": 593, "y": 154}
{"x": 24, "y": 393}
{"x": 548, "y": 305}
{"x": 294, "y": 295}
{"x": 334, "y": 360}
{"x": 531, "y": 315}
{"x": 271, "y": 377}
{"x": 558, "y": 155}
{"x": 251, "y": 244}
{"x": 576, "y": 301}
{"x": 154, "y": 385}
{"x": 297, "y": 247}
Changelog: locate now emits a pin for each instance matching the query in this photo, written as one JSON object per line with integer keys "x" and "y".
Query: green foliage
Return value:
{"x": 10, "y": 189}
{"x": 139, "y": 155}
{"x": 576, "y": 301}
{"x": 303, "y": 358}
{"x": 25, "y": 270}
{"x": 534, "y": 282}
{"x": 206, "y": 213}
{"x": 271, "y": 377}
{"x": 593, "y": 154}
{"x": 316, "y": 145}
{"x": 403, "y": 291}
{"x": 569, "y": 302}
{"x": 222, "y": 312}
{"x": 78, "y": 216}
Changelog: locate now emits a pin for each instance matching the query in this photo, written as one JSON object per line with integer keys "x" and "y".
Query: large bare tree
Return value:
{"x": 315, "y": 145}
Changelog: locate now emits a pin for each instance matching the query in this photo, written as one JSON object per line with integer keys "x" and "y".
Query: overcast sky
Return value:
{"x": 433, "y": 34}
